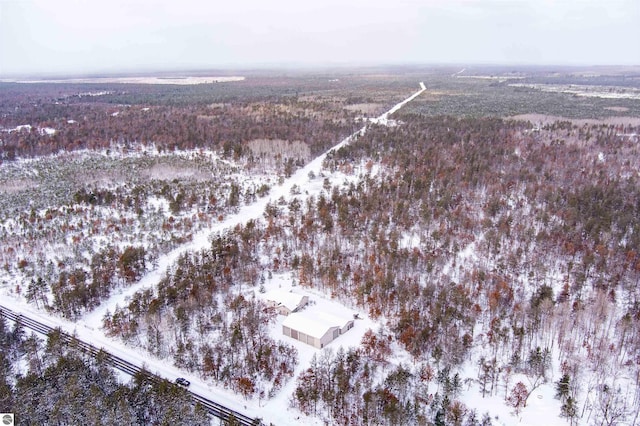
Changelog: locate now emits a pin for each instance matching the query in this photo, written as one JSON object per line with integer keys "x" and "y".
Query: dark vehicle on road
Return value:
{"x": 182, "y": 382}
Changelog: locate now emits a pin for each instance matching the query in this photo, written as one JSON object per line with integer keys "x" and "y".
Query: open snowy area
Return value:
{"x": 190, "y": 80}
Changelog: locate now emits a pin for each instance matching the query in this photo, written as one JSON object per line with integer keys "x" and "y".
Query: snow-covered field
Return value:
{"x": 604, "y": 92}
{"x": 183, "y": 81}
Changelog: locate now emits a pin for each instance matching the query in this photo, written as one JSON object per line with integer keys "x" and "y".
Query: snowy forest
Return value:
{"x": 486, "y": 238}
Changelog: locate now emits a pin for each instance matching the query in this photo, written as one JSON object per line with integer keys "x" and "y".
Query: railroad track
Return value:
{"x": 214, "y": 408}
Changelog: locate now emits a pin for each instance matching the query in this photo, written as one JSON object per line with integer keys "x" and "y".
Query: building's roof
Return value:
{"x": 286, "y": 298}
{"x": 314, "y": 324}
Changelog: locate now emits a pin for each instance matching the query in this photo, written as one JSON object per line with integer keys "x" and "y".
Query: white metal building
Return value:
{"x": 315, "y": 328}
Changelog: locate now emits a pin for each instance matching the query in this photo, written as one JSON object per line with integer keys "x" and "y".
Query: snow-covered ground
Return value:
{"x": 309, "y": 180}
{"x": 302, "y": 179}
{"x": 139, "y": 80}
{"x": 277, "y": 409}
{"x": 604, "y": 92}
{"x": 27, "y": 127}
{"x": 542, "y": 408}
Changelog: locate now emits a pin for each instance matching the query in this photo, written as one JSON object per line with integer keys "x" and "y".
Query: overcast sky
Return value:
{"x": 81, "y": 36}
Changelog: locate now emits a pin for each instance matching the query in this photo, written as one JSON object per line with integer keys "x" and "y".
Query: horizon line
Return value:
{"x": 226, "y": 69}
